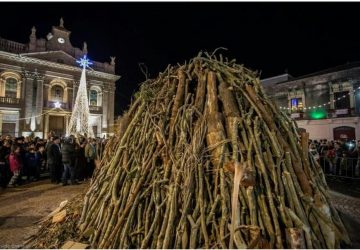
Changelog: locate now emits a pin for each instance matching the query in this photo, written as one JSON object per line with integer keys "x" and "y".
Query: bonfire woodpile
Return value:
{"x": 57, "y": 227}
{"x": 203, "y": 159}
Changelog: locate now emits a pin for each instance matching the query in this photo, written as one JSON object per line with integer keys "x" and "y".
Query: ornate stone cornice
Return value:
{"x": 24, "y": 59}
{"x": 39, "y": 77}
{"x": 28, "y": 74}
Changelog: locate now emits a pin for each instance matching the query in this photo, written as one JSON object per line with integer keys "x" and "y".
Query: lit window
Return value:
{"x": 296, "y": 104}
{"x": 57, "y": 93}
{"x": 93, "y": 97}
{"x": 11, "y": 87}
{"x": 342, "y": 100}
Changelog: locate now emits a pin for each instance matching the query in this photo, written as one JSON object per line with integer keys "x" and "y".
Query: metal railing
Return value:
{"x": 343, "y": 167}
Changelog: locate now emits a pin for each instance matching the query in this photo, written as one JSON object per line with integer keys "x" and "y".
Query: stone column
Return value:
{"x": 331, "y": 91}
{"x": 2, "y": 86}
{"x": 46, "y": 126}
{"x": 18, "y": 89}
{"x": 111, "y": 110}
{"x": 352, "y": 98}
{"x": 70, "y": 102}
{"x": 66, "y": 95}
{"x": 29, "y": 81}
{"x": 1, "y": 118}
{"x": 105, "y": 110}
{"x": 46, "y": 88}
{"x": 39, "y": 100}
{"x": 23, "y": 88}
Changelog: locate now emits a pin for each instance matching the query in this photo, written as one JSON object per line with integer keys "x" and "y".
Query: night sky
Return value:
{"x": 270, "y": 37}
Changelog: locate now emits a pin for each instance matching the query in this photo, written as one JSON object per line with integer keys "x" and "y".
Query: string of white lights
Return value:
{"x": 24, "y": 118}
{"x": 324, "y": 104}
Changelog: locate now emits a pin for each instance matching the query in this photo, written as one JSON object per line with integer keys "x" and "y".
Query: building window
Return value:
{"x": 11, "y": 88}
{"x": 93, "y": 97}
{"x": 342, "y": 103}
{"x": 296, "y": 105}
{"x": 57, "y": 93}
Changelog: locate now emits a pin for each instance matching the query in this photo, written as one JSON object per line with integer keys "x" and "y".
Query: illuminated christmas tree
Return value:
{"x": 79, "y": 121}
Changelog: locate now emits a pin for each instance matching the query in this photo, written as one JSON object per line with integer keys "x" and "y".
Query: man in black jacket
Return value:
{"x": 5, "y": 173}
{"x": 54, "y": 160}
{"x": 68, "y": 160}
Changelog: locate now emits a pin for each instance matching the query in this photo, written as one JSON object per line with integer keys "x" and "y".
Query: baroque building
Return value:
{"x": 326, "y": 104}
{"x": 39, "y": 81}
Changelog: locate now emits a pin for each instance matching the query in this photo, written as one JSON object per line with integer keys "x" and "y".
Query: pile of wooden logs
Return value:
{"x": 203, "y": 159}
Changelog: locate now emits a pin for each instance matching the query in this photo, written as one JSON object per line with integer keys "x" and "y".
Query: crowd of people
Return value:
{"x": 339, "y": 157}
{"x": 67, "y": 160}
{"x": 70, "y": 159}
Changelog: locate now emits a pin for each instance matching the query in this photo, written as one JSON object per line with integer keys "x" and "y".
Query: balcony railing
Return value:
{"x": 95, "y": 109}
{"x": 11, "y": 46}
{"x": 9, "y": 100}
{"x": 64, "y": 105}
{"x": 52, "y": 104}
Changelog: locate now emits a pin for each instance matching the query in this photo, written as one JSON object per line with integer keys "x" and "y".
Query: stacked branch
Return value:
{"x": 203, "y": 159}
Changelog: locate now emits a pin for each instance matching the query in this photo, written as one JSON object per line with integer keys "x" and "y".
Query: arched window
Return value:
{"x": 93, "y": 97}
{"x": 11, "y": 87}
{"x": 57, "y": 93}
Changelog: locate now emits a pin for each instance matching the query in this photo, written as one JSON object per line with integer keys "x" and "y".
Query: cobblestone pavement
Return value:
{"x": 350, "y": 187}
{"x": 349, "y": 211}
{"x": 22, "y": 206}
{"x": 346, "y": 204}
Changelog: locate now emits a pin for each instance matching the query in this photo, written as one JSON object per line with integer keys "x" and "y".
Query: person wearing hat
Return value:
{"x": 54, "y": 160}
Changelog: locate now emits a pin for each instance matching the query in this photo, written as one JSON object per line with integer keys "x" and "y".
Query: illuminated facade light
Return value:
{"x": 57, "y": 105}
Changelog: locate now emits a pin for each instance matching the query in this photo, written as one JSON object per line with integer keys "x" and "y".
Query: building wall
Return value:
{"x": 317, "y": 89}
{"x": 41, "y": 67}
{"x": 324, "y": 129}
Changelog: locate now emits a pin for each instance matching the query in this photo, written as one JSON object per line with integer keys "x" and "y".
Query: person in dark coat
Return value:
{"x": 339, "y": 155}
{"x": 80, "y": 160}
{"x": 54, "y": 161}
{"x": 41, "y": 156}
{"x": 68, "y": 156}
{"x": 32, "y": 163}
{"x": 5, "y": 173}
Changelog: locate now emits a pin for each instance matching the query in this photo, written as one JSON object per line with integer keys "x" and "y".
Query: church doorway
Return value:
{"x": 344, "y": 133}
{"x": 57, "y": 124}
{"x": 8, "y": 129}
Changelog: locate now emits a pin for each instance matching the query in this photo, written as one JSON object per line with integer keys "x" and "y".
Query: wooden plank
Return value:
{"x": 59, "y": 217}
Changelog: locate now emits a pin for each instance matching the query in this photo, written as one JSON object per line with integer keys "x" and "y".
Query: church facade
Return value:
{"x": 39, "y": 81}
